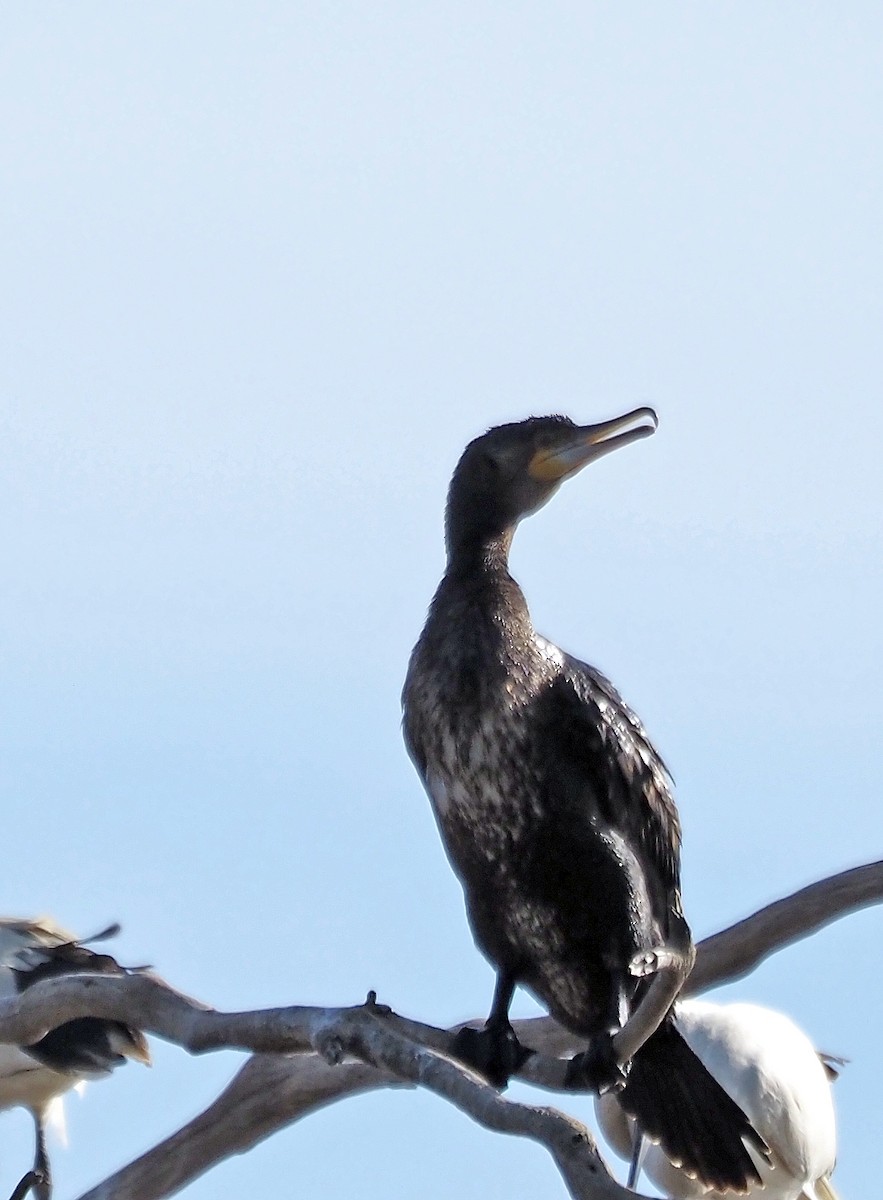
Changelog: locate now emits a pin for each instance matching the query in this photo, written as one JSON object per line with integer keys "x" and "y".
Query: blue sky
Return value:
{"x": 266, "y": 269}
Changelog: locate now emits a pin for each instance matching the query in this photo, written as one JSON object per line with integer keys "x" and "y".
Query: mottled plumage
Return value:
{"x": 554, "y": 807}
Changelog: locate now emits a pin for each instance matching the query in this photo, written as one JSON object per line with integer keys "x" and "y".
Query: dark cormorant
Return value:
{"x": 557, "y": 812}
{"x": 36, "y": 1076}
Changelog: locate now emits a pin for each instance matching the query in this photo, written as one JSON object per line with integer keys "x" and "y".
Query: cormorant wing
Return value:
{"x": 591, "y": 726}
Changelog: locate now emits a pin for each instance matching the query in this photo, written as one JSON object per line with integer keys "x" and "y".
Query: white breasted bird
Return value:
{"x": 36, "y": 1076}
{"x": 773, "y": 1072}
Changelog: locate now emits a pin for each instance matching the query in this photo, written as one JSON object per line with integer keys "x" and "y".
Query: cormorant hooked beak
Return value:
{"x": 585, "y": 443}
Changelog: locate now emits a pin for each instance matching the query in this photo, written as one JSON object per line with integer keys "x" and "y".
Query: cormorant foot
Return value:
{"x": 494, "y": 1052}
{"x": 596, "y": 1069}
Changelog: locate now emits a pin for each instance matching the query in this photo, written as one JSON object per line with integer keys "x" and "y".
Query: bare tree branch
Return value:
{"x": 271, "y": 1092}
{"x": 736, "y": 951}
{"x": 145, "y": 1001}
{"x": 268, "y": 1093}
{"x": 307, "y": 1057}
{"x": 568, "y": 1141}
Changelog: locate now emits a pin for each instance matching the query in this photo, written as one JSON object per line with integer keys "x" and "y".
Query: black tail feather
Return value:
{"x": 678, "y": 1103}
{"x": 111, "y": 931}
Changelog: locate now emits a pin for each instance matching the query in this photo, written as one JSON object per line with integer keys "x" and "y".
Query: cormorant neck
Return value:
{"x": 480, "y": 556}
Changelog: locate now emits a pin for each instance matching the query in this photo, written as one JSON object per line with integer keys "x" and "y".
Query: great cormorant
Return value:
{"x": 772, "y": 1070}
{"x": 557, "y": 812}
{"x": 36, "y": 1076}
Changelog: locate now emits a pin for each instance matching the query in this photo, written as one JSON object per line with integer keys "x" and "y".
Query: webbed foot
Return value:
{"x": 494, "y": 1052}
{"x": 596, "y": 1069}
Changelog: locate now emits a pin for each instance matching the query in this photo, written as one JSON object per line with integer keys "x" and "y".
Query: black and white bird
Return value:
{"x": 35, "y": 1077}
{"x": 771, "y": 1069}
{"x": 557, "y": 813}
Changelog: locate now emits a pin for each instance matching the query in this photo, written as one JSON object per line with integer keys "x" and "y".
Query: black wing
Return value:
{"x": 592, "y": 727}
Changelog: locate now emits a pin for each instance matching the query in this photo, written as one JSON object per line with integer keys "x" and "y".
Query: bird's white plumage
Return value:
{"x": 772, "y": 1070}
{"x": 26, "y": 1081}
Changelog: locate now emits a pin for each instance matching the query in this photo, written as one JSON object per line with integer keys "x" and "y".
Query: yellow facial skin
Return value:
{"x": 583, "y": 445}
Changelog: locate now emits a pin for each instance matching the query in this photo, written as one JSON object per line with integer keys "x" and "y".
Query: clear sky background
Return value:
{"x": 266, "y": 268}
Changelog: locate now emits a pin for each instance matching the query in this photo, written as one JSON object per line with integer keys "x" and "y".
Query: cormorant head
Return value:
{"x": 512, "y": 470}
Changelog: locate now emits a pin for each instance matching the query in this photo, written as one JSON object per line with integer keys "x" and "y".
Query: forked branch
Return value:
{"x": 307, "y": 1057}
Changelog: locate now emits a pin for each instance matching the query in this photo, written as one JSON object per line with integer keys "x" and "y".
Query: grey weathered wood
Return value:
{"x": 307, "y": 1057}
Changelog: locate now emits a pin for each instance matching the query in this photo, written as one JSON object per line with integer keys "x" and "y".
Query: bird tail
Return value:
{"x": 678, "y": 1104}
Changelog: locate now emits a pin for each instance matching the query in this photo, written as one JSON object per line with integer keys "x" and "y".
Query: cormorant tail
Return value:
{"x": 681, "y": 1106}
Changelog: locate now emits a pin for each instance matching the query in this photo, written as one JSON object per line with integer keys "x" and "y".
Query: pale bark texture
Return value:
{"x": 307, "y": 1057}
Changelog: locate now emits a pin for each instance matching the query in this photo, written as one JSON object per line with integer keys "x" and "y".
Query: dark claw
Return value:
{"x": 493, "y": 1052}
{"x": 596, "y": 1069}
